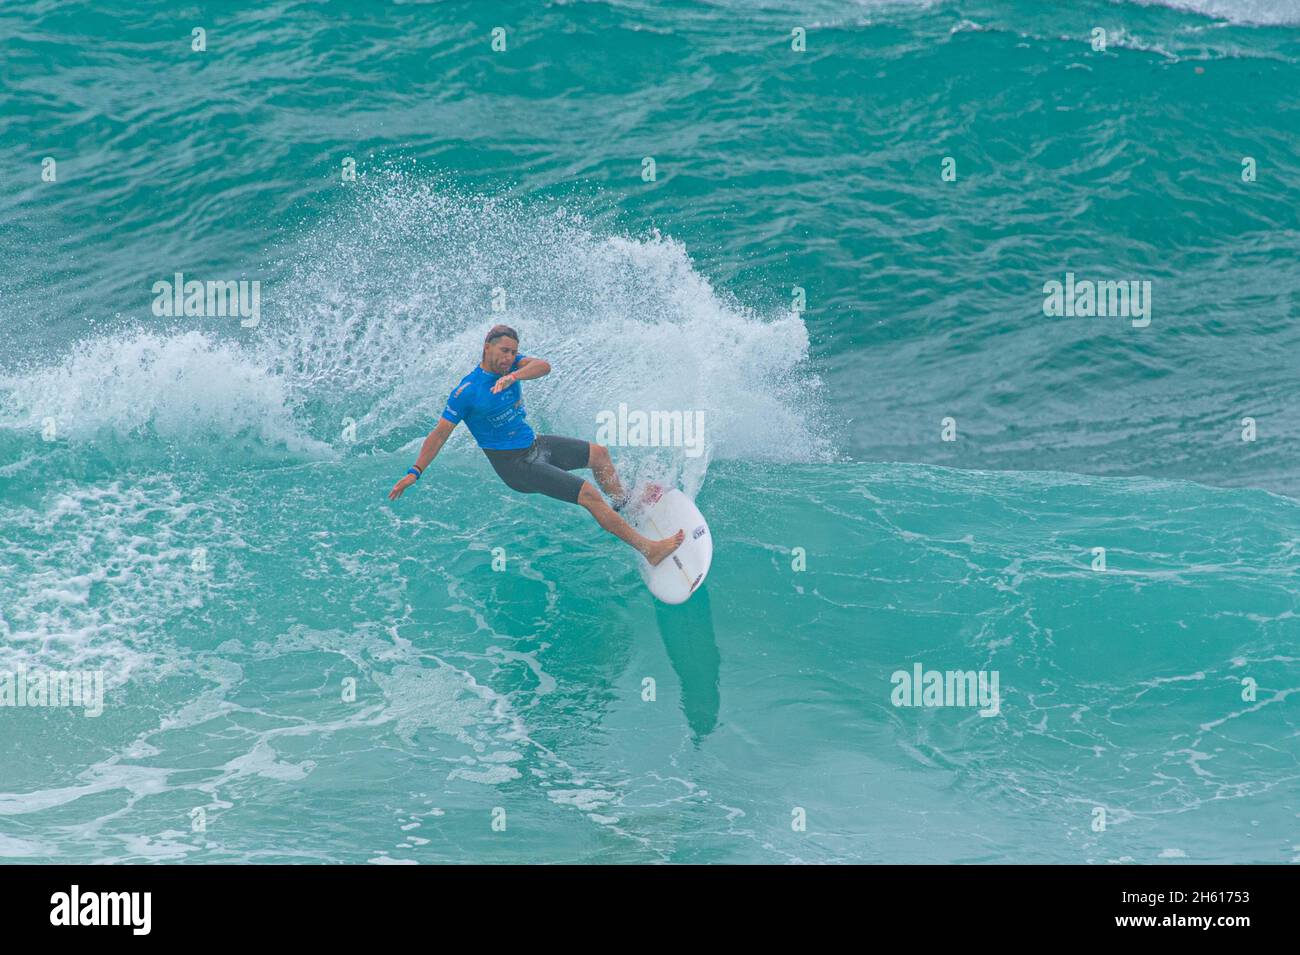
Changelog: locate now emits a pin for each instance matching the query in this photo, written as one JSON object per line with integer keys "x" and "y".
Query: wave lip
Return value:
{"x": 185, "y": 389}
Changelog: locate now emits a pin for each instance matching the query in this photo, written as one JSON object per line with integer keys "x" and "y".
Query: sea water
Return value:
{"x": 838, "y": 257}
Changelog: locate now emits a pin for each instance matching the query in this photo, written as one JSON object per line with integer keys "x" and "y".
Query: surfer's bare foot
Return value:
{"x": 658, "y": 550}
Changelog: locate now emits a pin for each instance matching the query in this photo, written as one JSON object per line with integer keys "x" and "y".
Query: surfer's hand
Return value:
{"x": 501, "y": 383}
{"x": 401, "y": 486}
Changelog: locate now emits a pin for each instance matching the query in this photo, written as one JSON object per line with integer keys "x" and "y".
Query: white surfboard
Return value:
{"x": 662, "y": 512}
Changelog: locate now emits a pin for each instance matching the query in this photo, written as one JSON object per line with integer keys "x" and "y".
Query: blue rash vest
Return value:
{"x": 496, "y": 421}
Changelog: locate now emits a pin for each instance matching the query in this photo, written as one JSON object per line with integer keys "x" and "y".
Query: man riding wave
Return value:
{"x": 490, "y": 402}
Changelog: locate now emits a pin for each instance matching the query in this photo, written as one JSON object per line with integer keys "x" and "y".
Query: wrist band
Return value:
{"x": 414, "y": 470}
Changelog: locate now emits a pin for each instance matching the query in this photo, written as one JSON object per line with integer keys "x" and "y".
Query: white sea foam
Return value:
{"x": 94, "y": 579}
{"x": 1263, "y": 12}
{"x": 390, "y": 299}
{"x": 384, "y": 310}
{"x": 183, "y": 388}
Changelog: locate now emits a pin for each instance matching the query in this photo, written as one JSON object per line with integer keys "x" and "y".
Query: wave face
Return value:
{"x": 195, "y": 510}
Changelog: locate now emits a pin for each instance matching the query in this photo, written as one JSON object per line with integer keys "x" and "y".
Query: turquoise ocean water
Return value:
{"x": 296, "y": 670}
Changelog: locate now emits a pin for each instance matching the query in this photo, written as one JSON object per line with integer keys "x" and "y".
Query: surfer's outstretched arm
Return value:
{"x": 428, "y": 451}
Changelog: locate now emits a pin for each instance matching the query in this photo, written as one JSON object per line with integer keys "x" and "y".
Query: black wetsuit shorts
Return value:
{"x": 544, "y": 467}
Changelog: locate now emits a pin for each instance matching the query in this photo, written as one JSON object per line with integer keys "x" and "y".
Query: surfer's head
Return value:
{"x": 499, "y": 349}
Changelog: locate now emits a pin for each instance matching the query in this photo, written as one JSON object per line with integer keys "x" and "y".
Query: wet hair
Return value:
{"x": 500, "y": 331}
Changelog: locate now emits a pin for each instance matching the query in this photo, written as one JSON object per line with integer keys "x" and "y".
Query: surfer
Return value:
{"x": 490, "y": 402}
